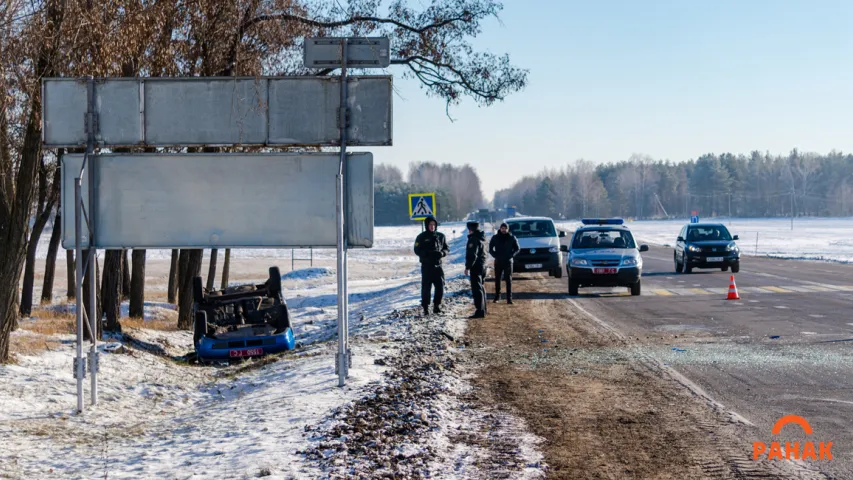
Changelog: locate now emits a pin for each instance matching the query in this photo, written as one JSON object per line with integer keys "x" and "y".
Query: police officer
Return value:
{"x": 475, "y": 266}
{"x": 431, "y": 247}
{"x": 503, "y": 247}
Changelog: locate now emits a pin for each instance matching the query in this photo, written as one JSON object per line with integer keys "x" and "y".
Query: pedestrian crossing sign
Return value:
{"x": 422, "y": 205}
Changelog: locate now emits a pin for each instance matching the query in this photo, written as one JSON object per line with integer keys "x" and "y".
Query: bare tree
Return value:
{"x": 111, "y": 289}
{"x": 226, "y": 267}
{"x": 47, "y": 195}
{"x": 190, "y": 267}
{"x": 137, "y": 284}
{"x": 211, "y": 270}
{"x": 172, "y": 289}
{"x": 50, "y": 261}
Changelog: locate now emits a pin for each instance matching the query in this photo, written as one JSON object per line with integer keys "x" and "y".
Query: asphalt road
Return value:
{"x": 785, "y": 348}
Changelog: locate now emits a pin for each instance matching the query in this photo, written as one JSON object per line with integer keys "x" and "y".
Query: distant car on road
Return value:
{"x": 706, "y": 245}
{"x": 241, "y": 321}
{"x": 603, "y": 253}
{"x": 539, "y": 243}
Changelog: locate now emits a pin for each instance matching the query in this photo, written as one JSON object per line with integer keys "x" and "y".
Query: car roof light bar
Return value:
{"x": 602, "y": 221}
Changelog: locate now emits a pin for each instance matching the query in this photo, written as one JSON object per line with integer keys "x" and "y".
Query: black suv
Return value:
{"x": 706, "y": 245}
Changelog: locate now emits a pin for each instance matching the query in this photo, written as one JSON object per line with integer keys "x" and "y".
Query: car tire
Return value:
{"x": 677, "y": 265}
{"x": 573, "y": 289}
{"x": 724, "y": 268}
{"x": 635, "y": 289}
{"x": 736, "y": 267}
{"x": 687, "y": 268}
{"x": 198, "y": 290}
{"x": 274, "y": 282}
{"x": 558, "y": 273}
{"x": 199, "y": 326}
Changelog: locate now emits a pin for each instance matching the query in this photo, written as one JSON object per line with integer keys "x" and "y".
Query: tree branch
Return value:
{"x": 464, "y": 17}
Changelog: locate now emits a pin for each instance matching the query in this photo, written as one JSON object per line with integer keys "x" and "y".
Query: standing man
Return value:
{"x": 503, "y": 247}
{"x": 475, "y": 266}
{"x": 431, "y": 247}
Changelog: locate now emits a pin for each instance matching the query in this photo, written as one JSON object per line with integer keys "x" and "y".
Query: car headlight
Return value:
{"x": 554, "y": 249}
{"x": 629, "y": 262}
{"x": 732, "y": 247}
{"x": 579, "y": 262}
{"x": 694, "y": 248}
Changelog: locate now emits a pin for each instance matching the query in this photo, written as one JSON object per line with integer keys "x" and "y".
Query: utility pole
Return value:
{"x": 730, "y": 209}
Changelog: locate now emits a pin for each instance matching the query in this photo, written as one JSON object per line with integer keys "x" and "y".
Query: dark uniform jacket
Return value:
{"x": 475, "y": 255}
{"x": 503, "y": 247}
{"x": 431, "y": 247}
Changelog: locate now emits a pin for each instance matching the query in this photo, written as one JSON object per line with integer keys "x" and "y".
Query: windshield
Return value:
{"x": 709, "y": 233}
{"x": 533, "y": 228}
{"x": 603, "y": 239}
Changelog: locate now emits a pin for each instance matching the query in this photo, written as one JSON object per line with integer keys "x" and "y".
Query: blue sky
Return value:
{"x": 671, "y": 79}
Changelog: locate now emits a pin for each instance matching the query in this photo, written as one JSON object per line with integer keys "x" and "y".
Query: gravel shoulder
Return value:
{"x": 603, "y": 408}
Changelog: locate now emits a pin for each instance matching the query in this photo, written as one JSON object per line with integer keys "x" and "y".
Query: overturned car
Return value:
{"x": 241, "y": 321}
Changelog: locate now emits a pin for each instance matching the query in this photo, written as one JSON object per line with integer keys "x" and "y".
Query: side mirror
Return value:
{"x": 564, "y": 248}
{"x": 736, "y": 237}
{"x": 679, "y": 239}
{"x": 562, "y": 234}
{"x": 644, "y": 248}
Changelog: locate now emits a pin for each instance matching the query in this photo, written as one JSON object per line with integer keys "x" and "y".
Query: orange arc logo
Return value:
{"x": 802, "y": 422}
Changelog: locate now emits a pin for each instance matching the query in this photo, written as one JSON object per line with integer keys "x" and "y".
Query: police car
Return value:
{"x": 603, "y": 253}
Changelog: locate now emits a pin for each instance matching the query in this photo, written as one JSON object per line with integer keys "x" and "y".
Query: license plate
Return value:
{"x": 533, "y": 265}
{"x": 603, "y": 270}
{"x": 714, "y": 259}
{"x": 248, "y": 352}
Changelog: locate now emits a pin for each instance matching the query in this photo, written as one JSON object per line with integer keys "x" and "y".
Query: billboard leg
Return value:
{"x": 342, "y": 355}
{"x": 79, "y": 364}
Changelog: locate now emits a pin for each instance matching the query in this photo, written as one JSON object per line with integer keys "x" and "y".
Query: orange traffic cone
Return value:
{"x": 732, "y": 290}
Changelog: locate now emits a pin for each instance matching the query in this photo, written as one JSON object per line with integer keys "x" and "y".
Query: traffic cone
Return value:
{"x": 732, "y": 290}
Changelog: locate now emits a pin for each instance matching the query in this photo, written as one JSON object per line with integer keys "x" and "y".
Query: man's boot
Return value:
{"x": 426, "y": 310}
{"x": 478, "y": 314}
{"x": 436, "y": 308}
{"x": 497, "y": 297}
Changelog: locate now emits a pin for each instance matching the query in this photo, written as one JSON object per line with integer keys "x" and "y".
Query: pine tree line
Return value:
{"x": 754, "y": 185}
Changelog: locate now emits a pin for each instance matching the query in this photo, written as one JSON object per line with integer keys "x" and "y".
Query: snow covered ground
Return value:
{"x": 829, "y": 239}
{"x": 161, "y": 417}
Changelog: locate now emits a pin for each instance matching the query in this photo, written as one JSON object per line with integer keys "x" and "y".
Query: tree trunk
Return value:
{"x": 190, "y": 268}
{"x": 26, "y": 305}
{"x": 111, "y": 289}
{"x": 173, "y": 277}
{"x": 86, "y": 285}
{"x": 50, "y": 262}
{"x": 137, "y": 285}
{"x": 71, "y": 276}
{"x": 211, "y": 271}
{"x": 226, "y": 267}
{"x": 15, "y": 208}
{"x": 125, "y": 275}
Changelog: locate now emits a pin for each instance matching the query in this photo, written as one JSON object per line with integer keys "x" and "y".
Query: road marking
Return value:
{"x": 662, "y": 292}
{"x": 781, "y": 307}
{"x": 777, "y": 289}
{"x": 815, "y": 315}
{"x": 765, "y": 289}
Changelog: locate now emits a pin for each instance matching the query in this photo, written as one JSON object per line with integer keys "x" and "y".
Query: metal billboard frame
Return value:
{"x": 155, "y": 112}
{"x": 88, "y": 114}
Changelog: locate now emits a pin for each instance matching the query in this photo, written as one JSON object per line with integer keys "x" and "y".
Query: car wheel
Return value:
{"x": 736, "y": 267}
{"x": 635, "y": 288}
{"x": 198, "y": 290}
{"x": 677, "y": 265}
{"x": 724, "y": 268}
{"x": 199, "y": 327}
{"x": 274, "y": 282}
{"x": 573, "y": 289}
{"x": 558, "y": 273}
{"x": 687, "y": 268}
